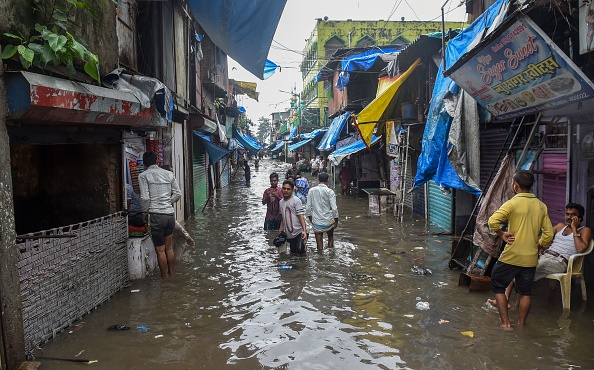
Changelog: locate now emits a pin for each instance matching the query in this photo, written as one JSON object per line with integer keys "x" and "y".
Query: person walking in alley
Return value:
{"x": 247, "y": 173}
{"x": 293, "y": 220}
{"x": 527, "y": 217}
{"x": 345, "y": 176}
{"x": 271, "y": 199}
{"x": 158, "y": 192}
{"x": 322, "y": 211}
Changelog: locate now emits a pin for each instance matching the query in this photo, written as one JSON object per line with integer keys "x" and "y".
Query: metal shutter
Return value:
{"x": 554, "y": 188}
{"x": 440, "y": 207}
{"x": 199, "y": 174}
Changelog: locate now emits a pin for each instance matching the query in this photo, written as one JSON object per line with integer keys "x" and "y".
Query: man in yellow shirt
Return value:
{"x": 527, "y": 217}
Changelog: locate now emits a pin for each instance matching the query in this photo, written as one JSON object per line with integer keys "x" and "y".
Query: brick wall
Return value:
{"x": 62, "y": 279}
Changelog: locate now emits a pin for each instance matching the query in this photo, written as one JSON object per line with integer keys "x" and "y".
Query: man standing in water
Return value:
{"x": 293, "y": 221}
{"x": 322, "y": 211}
{"x": 527, "y": 217}
{"x": 158, "y": 192}
{"x": 271, "y": 199}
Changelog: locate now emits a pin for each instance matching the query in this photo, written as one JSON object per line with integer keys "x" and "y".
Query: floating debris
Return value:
{"x": 118, "y": 327}
{"x": 423, "y": 306}
{"x": 361, "y": 277}
{"x": 420, "y": 270}
{"x": 390, "y": 276}
{"x": 442, "y": 321}
{"x": 468, "y": 333}
{"x": 142, "y": 328}
{"x": 397, "y": 252}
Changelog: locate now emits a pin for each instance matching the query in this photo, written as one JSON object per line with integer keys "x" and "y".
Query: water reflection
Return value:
{"x": 354, "y": 307}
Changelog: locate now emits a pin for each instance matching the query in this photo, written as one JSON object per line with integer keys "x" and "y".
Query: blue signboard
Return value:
{"x": 522, "y": 72}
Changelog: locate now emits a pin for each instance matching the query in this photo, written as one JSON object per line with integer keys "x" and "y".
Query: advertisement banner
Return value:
{"x": 522, "y": 72}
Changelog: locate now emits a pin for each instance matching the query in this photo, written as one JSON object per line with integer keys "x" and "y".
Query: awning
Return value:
{"x": 242, "y": 29}
{"x": 368, "y": 118}
{"x": 339, "y": 154}
{"x": 279, "y": 145}
{"x": 361, "y": 62}
{"x": 215, "y": 152}
{"x": 246, "y": 141}
{"x": 202, "y": 123}
{"x": 307, "y": 137}
{"x": 331, "y": 136}
{"x": 234, "y": 144}
{"x": 38, "y": 98}
{"x": 247, "y": 88}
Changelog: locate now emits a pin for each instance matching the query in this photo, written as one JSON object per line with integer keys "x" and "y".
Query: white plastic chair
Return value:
{"x": 574, "y": 271}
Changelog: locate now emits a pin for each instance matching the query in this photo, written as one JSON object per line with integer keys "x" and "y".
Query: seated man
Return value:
{"x": 570, "y": 238}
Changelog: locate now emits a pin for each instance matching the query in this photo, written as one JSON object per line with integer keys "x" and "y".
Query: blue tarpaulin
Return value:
{"x": 339, "y": 154}
{"x": 360, "y": 62}
{"x": 269, "y": 69}
{"x": 331, "y": 136}
{"x": 433, "y": 161}
{"x": 278, "y": 146}
{"x": 246, "y": 141}
{"x": 234, "y": 144}
{"x": 242, "y": 29}
{"x": 307, "y": 137}
{"x": 215, "y": 152}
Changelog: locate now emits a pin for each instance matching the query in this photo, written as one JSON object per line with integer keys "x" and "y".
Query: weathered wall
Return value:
{"x": 11, "y": 323}
{"x": 98, "y": 35}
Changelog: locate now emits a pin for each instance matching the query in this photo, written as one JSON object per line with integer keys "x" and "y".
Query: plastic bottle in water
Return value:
{"x": 286, "y": 267}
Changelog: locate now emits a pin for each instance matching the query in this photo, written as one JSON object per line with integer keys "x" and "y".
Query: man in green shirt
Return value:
{"x": 526, "y": 218}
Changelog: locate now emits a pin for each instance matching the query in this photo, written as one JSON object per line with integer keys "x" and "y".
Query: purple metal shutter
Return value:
{"x": 554, "y": 185}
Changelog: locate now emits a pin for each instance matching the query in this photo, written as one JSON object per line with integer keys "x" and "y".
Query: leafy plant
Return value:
{"x": 53, "y": 43}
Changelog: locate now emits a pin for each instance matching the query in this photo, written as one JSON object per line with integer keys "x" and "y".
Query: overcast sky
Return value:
{"x": 296, "y": 24}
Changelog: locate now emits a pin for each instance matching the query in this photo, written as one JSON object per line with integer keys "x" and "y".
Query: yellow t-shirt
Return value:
{"x": 527, "y": 216}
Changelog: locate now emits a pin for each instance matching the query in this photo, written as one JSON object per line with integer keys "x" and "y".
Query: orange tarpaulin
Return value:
{"x": 368, "y": 118}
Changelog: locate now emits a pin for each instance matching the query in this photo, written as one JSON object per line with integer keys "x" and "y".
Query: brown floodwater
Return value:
{"x": 359, "y": 306}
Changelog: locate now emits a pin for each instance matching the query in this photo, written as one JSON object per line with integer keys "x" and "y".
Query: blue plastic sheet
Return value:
{"x": 215, "y": 152}
{"x": 339, "y": 154}
{"x": 278, "y": 146}
{"x": 433, "y": 161}
{"x": 331, "y": 136}
{"x": 299, "y": 144}
{"x": 246, "y": 141}
{"x": 359, "y": 62}
{"x": 293, "y": 134}
{"x": 313, "y": 134}
{"x": 269, "y": 69}
{"x": 242, "y": 29}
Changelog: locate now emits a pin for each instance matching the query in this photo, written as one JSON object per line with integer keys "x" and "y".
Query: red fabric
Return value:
{"x": 136, "y": 229}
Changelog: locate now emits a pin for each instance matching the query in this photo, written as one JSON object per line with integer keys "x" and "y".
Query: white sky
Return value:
{"x": 296, "y": 24}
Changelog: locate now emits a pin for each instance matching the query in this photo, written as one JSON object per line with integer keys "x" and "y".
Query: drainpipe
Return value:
{"x": 443, "y": 35}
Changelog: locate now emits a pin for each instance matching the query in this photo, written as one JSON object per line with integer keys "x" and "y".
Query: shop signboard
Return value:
{"x": 521, "y": 72}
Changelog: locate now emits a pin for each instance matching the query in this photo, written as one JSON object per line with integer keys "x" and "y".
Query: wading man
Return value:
{"x": 293, "y": 221}
{"x": 158, "y": 192}
{"x": 322, "y": 211}
{"x": 527, "y": 217}
{"x": 270, "y": 199}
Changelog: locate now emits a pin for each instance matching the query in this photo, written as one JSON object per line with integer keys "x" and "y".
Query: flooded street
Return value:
{"x": 359, "y": 306}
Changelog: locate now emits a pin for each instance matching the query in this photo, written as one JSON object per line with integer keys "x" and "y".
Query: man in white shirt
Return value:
{"x": 322, "y": 211}
{"x": 158, "y": 192}
{"x": 315, "y": 166}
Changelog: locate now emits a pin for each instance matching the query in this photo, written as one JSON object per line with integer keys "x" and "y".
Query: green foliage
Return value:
{"x": 263, "y": 129}
{"x": 244, "y": 123}
{"x": 52, "y": 42}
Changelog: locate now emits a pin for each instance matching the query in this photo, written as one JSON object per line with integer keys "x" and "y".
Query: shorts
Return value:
{"x": 503, "y": 274}
{"x": 549, "y": 264}
{"x": 272, "y": 225}
{"x": 297, "y": 245}
{"x": 161, "y": 226}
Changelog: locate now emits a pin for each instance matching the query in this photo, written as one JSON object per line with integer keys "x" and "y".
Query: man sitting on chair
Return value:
{"x": 570, "y": 238}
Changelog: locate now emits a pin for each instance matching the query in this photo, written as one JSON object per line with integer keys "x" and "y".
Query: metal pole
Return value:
{"x": 443, "y": 35}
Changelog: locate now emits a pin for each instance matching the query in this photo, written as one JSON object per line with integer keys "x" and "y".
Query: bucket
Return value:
{"x": 409, "y": 112}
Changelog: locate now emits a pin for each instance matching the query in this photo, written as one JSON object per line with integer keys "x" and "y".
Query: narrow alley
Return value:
{"x": 360, "y": 306}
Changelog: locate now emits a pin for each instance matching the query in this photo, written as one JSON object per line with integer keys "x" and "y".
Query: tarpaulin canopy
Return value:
{"x": 246, "y": 141}
{"x": 247, "y": 88}
{"x": 242, "y": 29}
{"x": 368, "y": 118}
{"x": 360, "y": 62}
{"x": 234, "y": 144}
{"x": 339, "y": 154}
{"x": 434, "y": 162}
{"x": 215, "y": 152}
{"x": 331, "y": 136}
{"x": 307, "y": 137}
{"x": 278, "y": 146}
